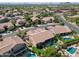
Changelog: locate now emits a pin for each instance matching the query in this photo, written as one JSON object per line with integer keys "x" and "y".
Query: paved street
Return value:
{"x": 70, "y": 25}
{"x": 28, "y": 28}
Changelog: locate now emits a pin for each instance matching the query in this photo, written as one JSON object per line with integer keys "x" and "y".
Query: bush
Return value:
{"x": 21, "y": 33}
{"x": 64, "y": 46}
{"x": 37, "y": 51}
{"x": 51, "y": 52}
{"x": 71, "y": 41}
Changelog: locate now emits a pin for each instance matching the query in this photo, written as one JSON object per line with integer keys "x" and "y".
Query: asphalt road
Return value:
{"x": 70, "y": 25}
{"x": 28, "y": 28}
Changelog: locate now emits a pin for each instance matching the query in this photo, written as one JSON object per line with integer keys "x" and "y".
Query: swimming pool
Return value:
{"x": 67, "y": 38}
{"x": 29, "y": 54}
{"x": 71, "y": 50}
{"x": 32, "y": 55}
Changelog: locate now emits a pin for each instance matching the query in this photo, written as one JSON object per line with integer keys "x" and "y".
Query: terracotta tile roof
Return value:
{"x": 18, "y": 20}
{"x": 2, "y": 17}
{"x": 59, "y": 29}
{"x": 9, "y": 42}
{"x": 34, "y": 18}
{"x": 5, "y": 24}
{"x": 39, "y": 35}
{"x": 48, "y": 18}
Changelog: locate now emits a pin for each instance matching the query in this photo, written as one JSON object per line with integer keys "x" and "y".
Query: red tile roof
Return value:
{"x": 39, "y": 35}
{"x": 8, "y": 43}
{"x": 59, "y": 29}
{"x": 48, "y": 18}
{"x": 5, "y": 24}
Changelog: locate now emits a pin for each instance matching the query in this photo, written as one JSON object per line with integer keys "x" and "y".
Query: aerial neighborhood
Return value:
{"x": 44, "y": 30}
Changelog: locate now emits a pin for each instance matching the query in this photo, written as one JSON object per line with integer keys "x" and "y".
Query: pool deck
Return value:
{"x": 76, "y": 54}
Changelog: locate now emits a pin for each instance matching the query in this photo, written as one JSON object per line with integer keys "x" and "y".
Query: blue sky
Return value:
{"x": 39, "y": 0}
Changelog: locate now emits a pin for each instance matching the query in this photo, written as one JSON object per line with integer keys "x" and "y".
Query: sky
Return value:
{"x": 39, "y": 0}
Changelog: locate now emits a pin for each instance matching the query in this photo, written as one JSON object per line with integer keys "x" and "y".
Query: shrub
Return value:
{"x": 2, "y": 30}
{"x": 64, "y": 46}
{"x": 51, "y": 52}
{"x": 36, "y": 50}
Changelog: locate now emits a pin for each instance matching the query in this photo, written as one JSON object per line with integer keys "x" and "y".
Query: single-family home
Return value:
{"x": 48, "y": 19}
{"x": 13, "y": 46}
{"x": 63, "y": 30}
{"x": 40, "y": 37}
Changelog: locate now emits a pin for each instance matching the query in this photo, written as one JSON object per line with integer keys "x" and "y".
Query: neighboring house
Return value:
{"x": 34, "y": 13}
{"x": 25, "y": 12}
{"x": 48, "y": 19}
{"x": 40, "y": 37}
{"x": 15, "y": 10}
{"x": 13, "y": 46}
{"x": 3, "y": 19}
{"x": 65, "y": 11}
{"x": 34, "y": 18}
{"x": 20, "y": 22}
{"x": 15, "y": 14}
{"x": 2, "y": 29}
{"x": 57, "y": 11}
{"x": 5, "y": 26}
{"x": 63, "y": 30}
{"x": 51, "y": 11}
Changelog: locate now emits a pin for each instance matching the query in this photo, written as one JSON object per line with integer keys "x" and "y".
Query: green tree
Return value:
{"x": 21, "y": 34}
{"x": 37, "y": 51}
{"x": 51, "y": 52}
{"x": 2, "y": 30}
{"x": 77, "y": 20}
{"x": 74, "y": 12}
{"x": 13, "y": 22}
{"x": 56, "y": 19}
{"x": 28, "y": 19}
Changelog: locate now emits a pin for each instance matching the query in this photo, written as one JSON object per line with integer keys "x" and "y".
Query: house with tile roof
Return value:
{"x": 40, "y": 37}
{"x": 12, "y": 46}
{"x": 48, "y": 19}
{"x": 63, "y": 30}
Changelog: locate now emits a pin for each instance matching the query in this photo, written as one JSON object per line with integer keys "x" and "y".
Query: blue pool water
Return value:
{"x": 67, "y": 38}
{"x": 71, "y": 50}
{"x": 32, "y": 55}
